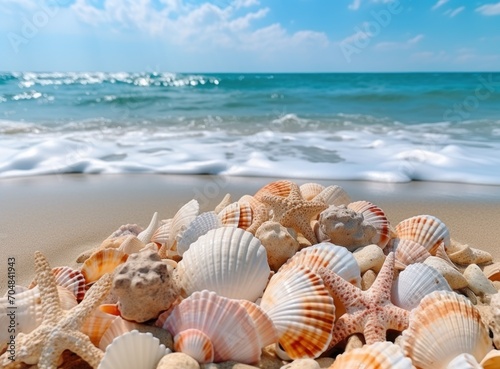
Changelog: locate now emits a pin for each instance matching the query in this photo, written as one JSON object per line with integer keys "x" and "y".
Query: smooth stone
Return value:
{"x": 478, "y": 282}
{"x": 369, "y": 257}
{"x": 325, "y": 362}
{"x": 302, "y": 364}
{"x": 227, "y": 365}
{"x": 177, "y": 360}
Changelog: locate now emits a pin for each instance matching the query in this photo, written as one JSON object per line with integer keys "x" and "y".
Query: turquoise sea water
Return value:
{"x": 383, "y": 127}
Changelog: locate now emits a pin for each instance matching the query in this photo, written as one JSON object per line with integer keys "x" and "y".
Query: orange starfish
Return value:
{"x": 294, "y": 212}
{"x": 368, "y": 312}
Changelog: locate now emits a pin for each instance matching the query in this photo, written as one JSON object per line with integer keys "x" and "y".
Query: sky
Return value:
{"x": 250, "y": 35}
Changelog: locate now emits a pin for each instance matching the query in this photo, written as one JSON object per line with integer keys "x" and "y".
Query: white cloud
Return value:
{"x": 439, "y": 4}
{"x": 386, "y": 46}
{"x": 355, "y": 5}
{"x": 489, "y": 9}
{"x": 453, "y": 12}
{"x": 359, "y": 35}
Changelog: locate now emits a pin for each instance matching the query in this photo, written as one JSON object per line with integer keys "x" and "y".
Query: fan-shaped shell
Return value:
{"x": 196, "y": 344}
{"x": 197, "y": 228}
{"x": 69, "y": 278}
{"x": 414, "y": 283}
{"x": 380, "y": 355}
{"x": 102, "y": 262}
{"x": 329, "y": 256}
{"x": 442, "y": 327}
{"x": 310, "y": 190}
{"x": 116, "y": 328}
{"x": 181, "y": 220}
{"x": 409, "y": 252}
{"x": 376, "y": 217}
{"x": 131, "y": 245}
{"x": 265, "y": 327}
{"x": 426, "y": 230}
{"x": 224, "y": 321}
{"x": 227, "y": 260}
{"x": 277, "y": 188}
{"x": 334, "y": 195}
{"x": 302, "y": 311}
{"x": 464, "y": 361}
{"x": 230, "y": 215}
{"x": 133, "y": 350}
{"x": 96, "y": 325}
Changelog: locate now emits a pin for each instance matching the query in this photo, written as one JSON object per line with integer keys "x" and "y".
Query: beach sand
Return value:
{"x": 64, "y": 215}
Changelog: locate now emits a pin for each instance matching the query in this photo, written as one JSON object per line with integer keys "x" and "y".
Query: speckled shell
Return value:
{"x": 146, "y": 235}
{"x": 265, "y": 327}
{"x": 310, "y": 190}
{"x": 442, "y": 327}
{"x": 133, "y": 350}
{"x": 414, "y": 283}
{"x": 302, "y": 311}
{"x": 102, "y": 262}
{"x": 330, "y": 256}
{"x": 69, "y": 278}
{"x": 278, "y": 188}
{"x": 426, "y": 230}
{"x": 379, "y": 355}
{"x": 376, "y": 217}
{"x": 227, "y": 260}
{"x": 409, "y": 252}
{"x": 224, "y": 321}
{"x": 334, "y": 195}
{"x": 197, "y": 228}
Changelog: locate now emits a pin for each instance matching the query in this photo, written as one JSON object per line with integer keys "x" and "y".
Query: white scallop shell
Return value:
{"x": 329, "y": 256}
{"x": 227, "y": 260}
{"x": 334, "y": 195}
{"x": 145, "y": 236}
{"x": 443, "y": 326}
{"x": 232, "y": 332}
{"x": 133, "y": 350}
{"x": 380, "y": 355}
{"x": 414, "y": 283}
{"x": 408, "y": 252}
{"x": 181, "y": 220}
{"x": 302, "y": 311}
{"x": 376, "y": 217}
{"x": 427, "y": 230}
{"x": 118, "y": 327}
{"x": 310, "y": 190}
{"x": 197, "y": 228}
{"x": 464, "y": 361}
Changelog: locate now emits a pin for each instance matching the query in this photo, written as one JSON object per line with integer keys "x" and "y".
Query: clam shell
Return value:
{"x": 198, "y": 227}
{"x": 224, "y": 321}
{"x": 380, "y": 355}
{"x": 334, "y": 195}
{"x": 426, "y": 230}
{"x": 227, "y": 260}
{"x": 278, "y": 188}
{"x": 376, "y": 217}
{"x": 146, "y": 235}
{"x": 265, "y": 327}
{"x": 310, "y": 190}
{"x": 442, "y": 327}
{"x": 414, "y": 283}
{"x": 409, "y": 252}
{"x": 69, "y": 278}
{"x": 102, "y": 262}
{"x": 302, "y": 311}
{"x": 454, "y": 278}
{"x": 329, "y": 256}
{"x": 118, "y": 327}
{"x": 133, "y": 350}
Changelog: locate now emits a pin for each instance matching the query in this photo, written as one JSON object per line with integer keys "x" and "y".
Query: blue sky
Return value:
{"x": 249, "y": 35}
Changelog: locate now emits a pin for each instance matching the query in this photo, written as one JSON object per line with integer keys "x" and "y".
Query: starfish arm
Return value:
{"x": 80, "y": 344}
{"x": 51, "y": 354}
{"x": 344, "y": 327}
{"x": 397, "y": 318}
{"x": 381, "y": 288}
{"x": 51, "y": 307}
{"x": 375, "y": 330}
{"x": 260, "y": 216}
{"x": 93, "y": 298}
{"x": 339, "y": 288}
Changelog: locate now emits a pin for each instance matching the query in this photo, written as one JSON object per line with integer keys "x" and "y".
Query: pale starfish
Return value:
{"x": 260, "y": 215}
{"x": 59, "y": 330}
{"x": 369, "y": 312}
{"x": 294, "y": 212}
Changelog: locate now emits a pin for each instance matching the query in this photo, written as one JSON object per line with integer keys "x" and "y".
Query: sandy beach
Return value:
{"x": 66, "y": 214}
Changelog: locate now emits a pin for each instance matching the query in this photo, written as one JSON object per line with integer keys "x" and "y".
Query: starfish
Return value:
{"x": 369, "y": 312}
{"x": 59, "y": 330}
{"x": 294, "y": 212}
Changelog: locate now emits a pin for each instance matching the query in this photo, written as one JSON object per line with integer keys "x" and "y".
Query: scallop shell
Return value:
{"x": 414, "y": 283}
{"x": 464, "y": 361}
{"x": 196, "y": 344}
{"x": 265, "y": 327}
{"x": 310, "y": 190}
{"x": 69, "y": 278}
{"x": 380, "y": 355}
{"x": 198, "y": 227}
{"x": 252, "y": 201}
{"x": 278, "y": 188}
{"x": 96, "y": 325}
{"x": 492, "y": 272}
{"x": 376, "y": 217}
{"x": 116, "y": 328}
{"x": 409, "y": 252}
{"x": 227, "y": 324}
{"x": 230, "y": 215}
{"x": 334, "y": 195}
{"x": 227, "y": 260}
{"x": 302, "y": 311}
{"x": 181, "y": 220}
{"x": 145, "y": 236}
{"x": 426, "y": 230}
{"x": 224, "y": 202}
{"x": 442, "y": 327}
{"x": 102, "y": 262}
{"x": 330, "y": 256}
{"x": 133, "y": 350}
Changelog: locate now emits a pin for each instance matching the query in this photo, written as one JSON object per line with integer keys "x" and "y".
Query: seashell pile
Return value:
{"x": 289, "y": 274}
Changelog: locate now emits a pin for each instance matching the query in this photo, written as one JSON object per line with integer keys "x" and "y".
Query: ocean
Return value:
{"x": 386, "y": 127}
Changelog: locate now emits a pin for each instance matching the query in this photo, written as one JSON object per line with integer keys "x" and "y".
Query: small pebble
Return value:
{"x": 178, "y": 360}
{"x": 302, "y": 364}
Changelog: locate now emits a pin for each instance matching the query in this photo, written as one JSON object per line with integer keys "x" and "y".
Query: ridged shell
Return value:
{"x": 224, "y": 321}
{"x": 196, "y": 344}
{"x": 310, "y": 190}
{"x": 379, "y": 355}
{"x": 69, "y": 278}
{"x": 252, "y": 201}
{"x": 334, "y": 195}
{"x": 145, "y": 236}
{"x": 414, "y": 283}
{"x": 442, "y": 327}
{"x": 133, "y": 350}
{"x": 197, "y": 228}
{"x": 376, "y": 217}
{"x": 265, "y": 327}
{"x": 96, "y": 325}
{"x": 330, "y": 256}
{"x": 302, "y": 311}
{"x": 118, "y": 327}
{"x": 131, "y": 245}
{"x": 230, "y": 215}
{"x": 464, "y": 361}
{"x": 102, "y": 262}
{"x": 181, "y": 220}
{"x": 410, "y": 252}
{"x": 426, "y": 230}
{"x": 229, "y": 261}
{"x": 246, "y": 215}
{"x": 278, "y": 188}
